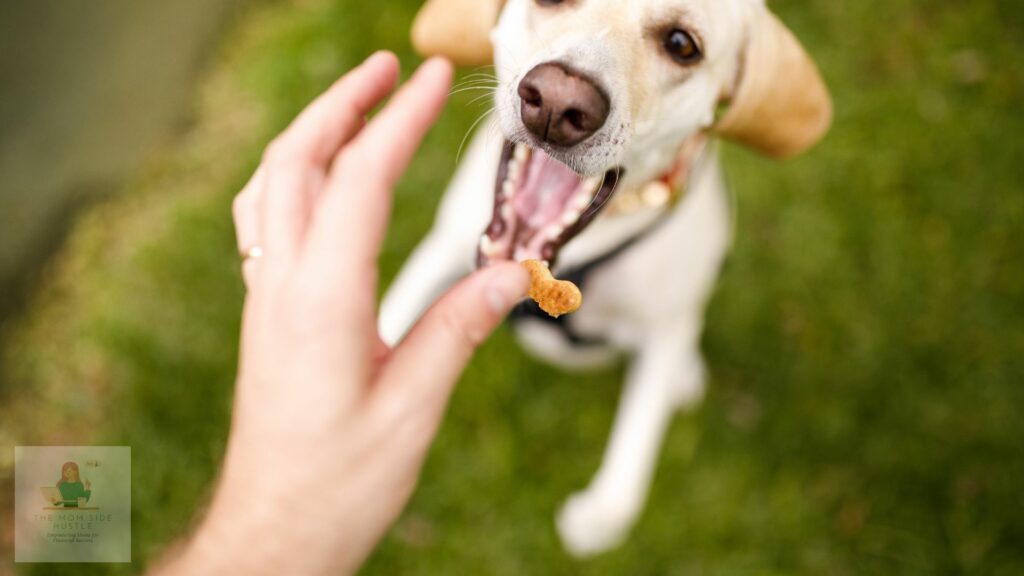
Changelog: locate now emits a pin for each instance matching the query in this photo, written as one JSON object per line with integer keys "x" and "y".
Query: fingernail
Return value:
{"x": 377, "y": 57}
{"x": 434, "y": 65}
{"x": 508, "y": 286}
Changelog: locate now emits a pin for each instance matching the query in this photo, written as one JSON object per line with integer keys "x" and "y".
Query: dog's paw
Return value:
{"x": 590, "y": 523}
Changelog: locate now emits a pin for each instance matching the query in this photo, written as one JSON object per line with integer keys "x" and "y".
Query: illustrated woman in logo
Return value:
{"x": 71, "y": 486}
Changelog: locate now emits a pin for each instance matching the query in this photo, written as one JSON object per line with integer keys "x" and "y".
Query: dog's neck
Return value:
{"x": 636, "y": 211}
{"x": 666, "y": 190}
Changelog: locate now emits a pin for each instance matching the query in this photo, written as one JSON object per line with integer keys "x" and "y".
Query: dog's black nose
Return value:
{"x": 560, "y": 106}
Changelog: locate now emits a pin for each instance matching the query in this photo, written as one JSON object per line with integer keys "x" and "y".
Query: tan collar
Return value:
{"x": 665, "y": 191}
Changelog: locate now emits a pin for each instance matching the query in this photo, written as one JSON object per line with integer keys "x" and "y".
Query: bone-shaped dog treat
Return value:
{"x": 556, "y": 297}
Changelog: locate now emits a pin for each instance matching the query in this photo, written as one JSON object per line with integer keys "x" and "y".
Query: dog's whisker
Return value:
{"x": 486, "y": 89}
{"x": 479, "y": 69}
{"x": 468, "y": 79}
{"x": 477, "y": 86}
{"x": 481, "y": 75}
{"x": 476, "y": 83}
{"x": 458, "y": 155}
{"x": 474, "y": 87}
{"x": 593, "y": 198}
{"x": 471, "y": 88}
{"x": 494, "y": 130}
{"x": 480, "y": 97}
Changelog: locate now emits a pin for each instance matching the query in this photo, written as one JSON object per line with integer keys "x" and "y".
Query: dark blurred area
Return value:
{"x": 89, "y": 90}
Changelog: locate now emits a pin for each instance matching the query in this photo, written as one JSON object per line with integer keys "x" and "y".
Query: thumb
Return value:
{"x": 425, "y": 366}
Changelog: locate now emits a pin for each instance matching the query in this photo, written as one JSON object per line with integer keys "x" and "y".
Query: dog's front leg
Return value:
{"x": 436, "y": 264}
{"x": 667, "y": 373}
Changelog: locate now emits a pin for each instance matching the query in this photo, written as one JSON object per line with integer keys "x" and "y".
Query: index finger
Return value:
{"x": 357, "y": 197}
{"x": 388, "y": 143}
{"x": 296, "y": 161}
{"x": 339, "y": 113}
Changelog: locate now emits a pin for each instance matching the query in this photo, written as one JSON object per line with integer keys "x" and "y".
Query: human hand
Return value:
{"x": 330, "y": 426}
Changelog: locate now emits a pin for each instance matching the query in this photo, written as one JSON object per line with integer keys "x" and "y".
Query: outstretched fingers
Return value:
{"x": 353, "y": 212}
{"x": 297, "y": 161}
{"x": 337, "y": 115}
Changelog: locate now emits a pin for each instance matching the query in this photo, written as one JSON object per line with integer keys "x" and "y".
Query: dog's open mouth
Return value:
{"x": 540, "y": 204}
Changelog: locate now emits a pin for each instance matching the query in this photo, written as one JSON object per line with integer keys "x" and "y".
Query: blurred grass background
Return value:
{"x": 865, "y": 412}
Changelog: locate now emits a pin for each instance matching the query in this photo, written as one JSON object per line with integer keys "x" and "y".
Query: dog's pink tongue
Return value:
{"x": 546, "y": 187}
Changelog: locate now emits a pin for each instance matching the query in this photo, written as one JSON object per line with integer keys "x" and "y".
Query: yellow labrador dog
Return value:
{"x": 608, "y": 171}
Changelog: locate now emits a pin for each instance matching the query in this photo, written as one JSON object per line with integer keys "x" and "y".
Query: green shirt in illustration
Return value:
{"x": 72, "y": 491}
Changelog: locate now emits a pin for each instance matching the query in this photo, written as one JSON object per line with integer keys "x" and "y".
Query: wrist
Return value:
{"x": 254, "y": 535}
{"x": 228, "y": 539}
{"x": 222, "y": 547}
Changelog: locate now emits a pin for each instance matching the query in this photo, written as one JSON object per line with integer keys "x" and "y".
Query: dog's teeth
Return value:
{"x": 580, "y": 201}
{"x": 508, "y": 189}
{"x": 506, "y": 212}
{"x": 515, "y": 164}
{"x": 593, "y": 184}
{"x": 570, "y": 218}
{"x": 488, "y": 247}
{"x": 552, "y": 231}
{"x": 521, "y": 153}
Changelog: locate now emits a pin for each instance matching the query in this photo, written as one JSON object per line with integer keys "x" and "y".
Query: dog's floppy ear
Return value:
{"x": 457, "y": 29}
{"x": 780, "y": 105}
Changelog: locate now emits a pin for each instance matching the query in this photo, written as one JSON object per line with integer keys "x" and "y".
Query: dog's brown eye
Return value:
{"x": 550, "y": 2}
{"x": 682, "y": 47}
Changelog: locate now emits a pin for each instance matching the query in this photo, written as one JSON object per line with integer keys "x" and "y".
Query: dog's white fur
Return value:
{"x": 648, "y": 302}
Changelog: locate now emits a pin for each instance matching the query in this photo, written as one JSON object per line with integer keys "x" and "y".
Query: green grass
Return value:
{"x": 865, "y": 412}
